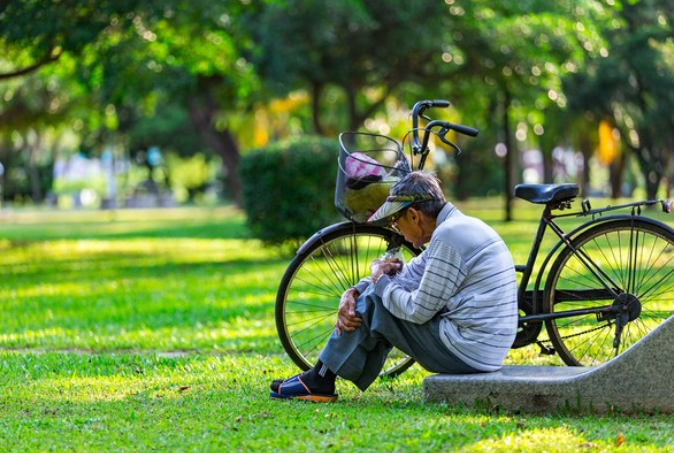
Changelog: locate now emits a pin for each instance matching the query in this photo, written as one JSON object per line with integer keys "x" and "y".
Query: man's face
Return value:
{"x": 408, "y": 225}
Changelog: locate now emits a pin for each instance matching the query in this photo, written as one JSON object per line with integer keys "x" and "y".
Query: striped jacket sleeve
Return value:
{"x": 443, "y": 275}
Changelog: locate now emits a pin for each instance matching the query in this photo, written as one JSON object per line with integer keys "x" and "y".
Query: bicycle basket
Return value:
{"x": 369, "y": 164}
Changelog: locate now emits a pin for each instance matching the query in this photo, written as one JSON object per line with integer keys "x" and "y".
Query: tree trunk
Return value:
{"x": 316, "y": 92}
{"x": 586, "y": 151}
{"x": 667, "y": 162}
{"x": 33, "y": 172}
{"x": 229, "y": 152}
{"x": 358, "y": 117}
{"x": 548, "y": 165}
{"x": 354, "y": 118}
{"x": 508, "y": 161}
{"x": 4, "y": 161}
{"x": 616, "y": 176}
{"x": 651, "y": 163}
{"x": 221, "y": 142}
{"x": 545, "y": 148}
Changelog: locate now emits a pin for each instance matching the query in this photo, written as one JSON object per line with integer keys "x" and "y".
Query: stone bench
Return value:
{"x": 640, "y": 379}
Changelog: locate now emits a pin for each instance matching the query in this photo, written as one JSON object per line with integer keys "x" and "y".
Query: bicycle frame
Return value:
{"x": 547, "y": 221}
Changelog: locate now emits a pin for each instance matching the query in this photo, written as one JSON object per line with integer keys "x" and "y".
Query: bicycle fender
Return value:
{"x": 322, "y": 232}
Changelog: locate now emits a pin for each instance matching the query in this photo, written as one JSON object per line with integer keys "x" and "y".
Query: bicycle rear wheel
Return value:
{"x": 636, "y": 257}
{"x": 308, "y": 296}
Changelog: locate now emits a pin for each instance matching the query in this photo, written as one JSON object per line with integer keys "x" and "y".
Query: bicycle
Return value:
{"x": 601, "y": 288}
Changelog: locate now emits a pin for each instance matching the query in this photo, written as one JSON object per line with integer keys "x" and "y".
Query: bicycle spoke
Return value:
{"x": 310, "y": 291}
{"x": 588, "y": 340}
{"x": 314, "y": 308}
{"x": 317, "y": 341}
{"x": 638, "y": 258}
{"x": 658, "y": 284}
{"x": 315, "y": 287}
{"x": 320, "y": 278}
{"x": 334, "y": 271}
{"x": 311, "y": 320}
{"x": 604, "y": 259}
{"x": 645, "y": 257}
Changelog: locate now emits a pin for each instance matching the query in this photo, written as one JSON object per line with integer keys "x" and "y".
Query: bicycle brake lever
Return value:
{"x": 443, "y": 139}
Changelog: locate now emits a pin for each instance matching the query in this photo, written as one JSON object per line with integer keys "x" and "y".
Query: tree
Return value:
{"x": 135, "y": 54}
{"x": 188, "y": 53}
{"x": 36, "y": 34}
{"x": 41, "y": 44}
{"x": 514, "y": 54}
{"x": 632, "y": 85}
{"x": 365, "y": 48}
{"x": 32, "y": 117}
{"x": 217, "y": 63}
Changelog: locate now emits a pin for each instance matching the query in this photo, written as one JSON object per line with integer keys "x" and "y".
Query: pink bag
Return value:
{"x": 360, "y": 166}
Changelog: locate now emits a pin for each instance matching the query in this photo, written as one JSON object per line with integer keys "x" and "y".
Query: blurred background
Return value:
{"x": 154, "y": 103}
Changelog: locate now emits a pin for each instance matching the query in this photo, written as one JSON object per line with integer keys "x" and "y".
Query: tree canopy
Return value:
{"x": 221, "y": 77}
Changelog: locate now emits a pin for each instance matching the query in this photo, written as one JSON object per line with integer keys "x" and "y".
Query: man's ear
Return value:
{"x": 414, "y": 214}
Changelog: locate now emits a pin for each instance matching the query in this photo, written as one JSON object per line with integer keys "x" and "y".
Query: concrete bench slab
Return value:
{"x": 640, "y": 379}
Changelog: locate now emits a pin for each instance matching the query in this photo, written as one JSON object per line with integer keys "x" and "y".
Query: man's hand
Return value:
{"x": 347, "y": 320}
{"x": 389, "y": 267}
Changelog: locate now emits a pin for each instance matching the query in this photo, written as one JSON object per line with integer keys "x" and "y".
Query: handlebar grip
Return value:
{"x": 422, "y": 106}
{"x": 465, "y": 130}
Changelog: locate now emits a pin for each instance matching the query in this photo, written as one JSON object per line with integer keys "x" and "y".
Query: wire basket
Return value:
{"x": 369, "y": 164}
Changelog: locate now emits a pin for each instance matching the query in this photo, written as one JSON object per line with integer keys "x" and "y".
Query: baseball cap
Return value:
{"x": 395, "y": 204}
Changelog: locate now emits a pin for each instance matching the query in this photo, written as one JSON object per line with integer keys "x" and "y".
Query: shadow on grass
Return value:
{"x": 147, "y": 289}
{"x": 96, "y": 268}
{"x": 202, "y": 229}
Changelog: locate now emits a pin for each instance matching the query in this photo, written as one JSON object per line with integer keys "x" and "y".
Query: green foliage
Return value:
{"x": 632, "y": 85}
{"x": 95, "y": 69}
{"x": 288, "y": 188}
{"x": 481, "y": 176}
{"x": 170, "y": 130}
{"x": 17, "y": 183}
{"x": 190, "y": 176}
{"x": 366, "y": 48}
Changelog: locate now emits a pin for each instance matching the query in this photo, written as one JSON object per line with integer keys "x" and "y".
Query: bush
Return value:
{"x": 288, "y": 188}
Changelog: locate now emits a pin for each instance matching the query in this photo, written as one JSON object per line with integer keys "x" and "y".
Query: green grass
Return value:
{"x": 153, "y": 331}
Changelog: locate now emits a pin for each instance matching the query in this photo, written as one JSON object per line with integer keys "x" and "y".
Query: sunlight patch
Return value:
{"x": 548, "y": 440}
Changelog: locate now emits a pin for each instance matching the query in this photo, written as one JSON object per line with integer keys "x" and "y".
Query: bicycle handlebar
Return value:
{"x": 445, "y": 126}
{"x": 465, "y": 130}
{"x": 417, "y": 112}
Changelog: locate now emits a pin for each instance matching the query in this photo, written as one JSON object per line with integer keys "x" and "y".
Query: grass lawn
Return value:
{"x": 153, "y": 331}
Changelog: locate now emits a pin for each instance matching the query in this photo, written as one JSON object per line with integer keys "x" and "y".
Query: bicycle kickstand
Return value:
{"x": 620, "y": 322}
{"x": 545, "y": 349}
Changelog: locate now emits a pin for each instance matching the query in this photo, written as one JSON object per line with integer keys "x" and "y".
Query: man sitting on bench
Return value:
{"x": 453, "y": 308}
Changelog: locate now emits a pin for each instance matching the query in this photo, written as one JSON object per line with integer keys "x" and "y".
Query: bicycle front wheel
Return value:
{"x": 310, "y": 290}
{"x": 625, "y": 266}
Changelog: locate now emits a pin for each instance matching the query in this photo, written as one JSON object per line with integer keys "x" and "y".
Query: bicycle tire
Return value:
{"x": 637, "y": 255}
{"x": 308, "y": 296}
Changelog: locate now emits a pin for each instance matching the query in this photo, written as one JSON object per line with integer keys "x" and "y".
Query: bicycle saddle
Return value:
{"x": 546, "y": 193}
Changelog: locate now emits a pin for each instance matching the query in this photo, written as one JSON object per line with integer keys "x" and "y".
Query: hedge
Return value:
{"x": 288, "y": 188}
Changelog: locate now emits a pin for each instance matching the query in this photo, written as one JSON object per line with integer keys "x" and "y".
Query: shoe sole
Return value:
{"x": 311, "y": 398}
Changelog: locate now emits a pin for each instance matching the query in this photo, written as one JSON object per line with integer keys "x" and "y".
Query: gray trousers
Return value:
{"x": 359, "y": 356}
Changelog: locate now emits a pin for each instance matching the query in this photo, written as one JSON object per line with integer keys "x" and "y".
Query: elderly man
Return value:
{"x": 453, "y": 308}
